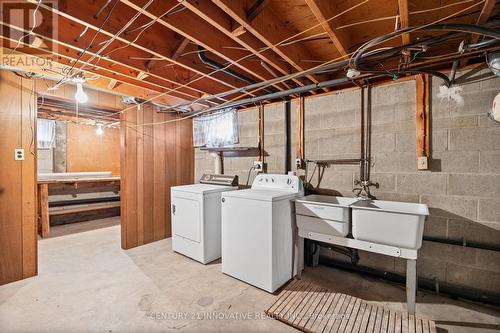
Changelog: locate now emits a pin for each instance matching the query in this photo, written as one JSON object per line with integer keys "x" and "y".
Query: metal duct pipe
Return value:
{"x": 215, "y": 65}
{"x": 288, "y": 141}
{"x": 279, "y": 94}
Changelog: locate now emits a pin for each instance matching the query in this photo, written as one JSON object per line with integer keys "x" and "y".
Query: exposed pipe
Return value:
{"x": 288, "y": 141}
{"x": 423, "y": 283}
{"x": 215, "y": 65}
{"x": 470, "y": 28}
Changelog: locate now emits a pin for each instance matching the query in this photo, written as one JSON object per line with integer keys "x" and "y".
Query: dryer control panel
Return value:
{"x": 290, "y": 183}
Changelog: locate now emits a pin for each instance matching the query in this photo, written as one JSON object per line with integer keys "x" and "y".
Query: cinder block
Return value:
{"x": 383, "y": 143}
{"x": 477, "y": 278}
{"x": 386, "y": 181}
{"x": 338, "y": 142}
{"x": 429, "y": 269}
{"x": 471, "y": 231}
{"x": 485, "y": 121}
{"x": 455, "y": 161}
{"x": 451, "y": 207}
{"x": 489, "y": 161}
{"x": 423, "y": 183}
{"x": 474, "y": 185}
{"x": 446, "y": 253}
{"x": 436, "y": 227}
{"x": 489, "y": 260}
{"x": 439, "y": 140}
{"x": 375, "y": 260}
{"x": 396, "y": 196}
{"x": 489, "y": 210}
{"x": 474, "y": 138}
{"x": 337, "y": 179}
{"x": 455, "y": 122}
{"x": 406, "y": 141}
{"x": 383, "y": 114}
{"x": 394, "y": 162}
{"x": 340, "y": 118}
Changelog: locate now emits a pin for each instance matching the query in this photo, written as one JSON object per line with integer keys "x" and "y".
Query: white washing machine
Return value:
{"x": 259, "y": 243}
{"x": 196, "y": 217}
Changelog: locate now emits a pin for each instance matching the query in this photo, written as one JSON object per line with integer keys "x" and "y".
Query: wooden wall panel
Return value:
{"x": 87, "y": 151}
{"x": 18, "y": 242}
{"x": 154, "y": 158}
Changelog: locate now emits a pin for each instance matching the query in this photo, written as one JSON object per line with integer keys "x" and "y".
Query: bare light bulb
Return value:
{"x": 99, "y": 130}
{"x": 80, "y": 96}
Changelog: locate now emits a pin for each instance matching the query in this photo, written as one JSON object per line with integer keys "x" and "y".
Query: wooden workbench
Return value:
{"x": 43, "y": 194}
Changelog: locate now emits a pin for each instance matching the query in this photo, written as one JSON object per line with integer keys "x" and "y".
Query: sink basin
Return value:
{"x": 393, "y": 223}
{"x": 323, "y": 214}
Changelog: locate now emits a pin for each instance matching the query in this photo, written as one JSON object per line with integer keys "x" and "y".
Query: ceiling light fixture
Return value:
{"x": 80, "y": 95}
{"x": 100, "y": 129}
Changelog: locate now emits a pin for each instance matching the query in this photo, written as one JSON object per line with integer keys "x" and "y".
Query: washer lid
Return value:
{"x": 262, "y": 195}
{"x": 203, "y": 188}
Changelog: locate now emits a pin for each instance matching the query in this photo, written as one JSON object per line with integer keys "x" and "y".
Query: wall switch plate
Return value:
{"x": 422, "y": 163}
{"x": 19, "y": 154}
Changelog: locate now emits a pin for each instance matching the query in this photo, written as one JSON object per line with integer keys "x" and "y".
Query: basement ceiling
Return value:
{"x": 151, "y": 48}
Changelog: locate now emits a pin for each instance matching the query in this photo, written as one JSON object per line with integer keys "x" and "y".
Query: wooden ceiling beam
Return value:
{"x": 257, "y": 7}
{"x": 70, "y": 52}
{"x": 404, "y": 19}
{"x": 186, "y": 24}
{"x": 485, "y": 13}
{"x": 217, "y": 18}
{"x": 269, "y": 33}
{"x": 180, "y": 48}
{"x": 323, "y": 11}
{"x": 159, "y": 43}
{"x": 123, "y": 85}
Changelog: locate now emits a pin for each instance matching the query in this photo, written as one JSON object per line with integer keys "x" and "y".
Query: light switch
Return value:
{"x": 19, "y": 154}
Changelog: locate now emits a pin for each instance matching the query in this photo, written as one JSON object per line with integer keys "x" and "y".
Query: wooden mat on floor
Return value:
{"x": 310, "y": 308}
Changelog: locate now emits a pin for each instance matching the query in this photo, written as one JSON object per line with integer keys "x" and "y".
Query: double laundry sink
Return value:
{"x": 399, "y": 224}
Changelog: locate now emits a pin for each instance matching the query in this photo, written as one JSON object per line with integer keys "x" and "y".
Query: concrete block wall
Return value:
{"x": 461, "y": 188}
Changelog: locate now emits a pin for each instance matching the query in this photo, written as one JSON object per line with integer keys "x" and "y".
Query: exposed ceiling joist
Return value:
{"x": 217, "y": 18}
{"x": 323, "y": 11}
{"x": 210, "y": 39}
{"x": 404, "y": 19}
{"x": 67, "y": 54}
{"x": 291, "y": 54}
{"x": 78, "y": 14}
{"x": 256, "y": 9}
{"x": 486, "y": 12}
{"x": 180, "y": 48}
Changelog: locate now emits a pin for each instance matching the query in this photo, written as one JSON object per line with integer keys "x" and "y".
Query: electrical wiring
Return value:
{"x": 199, "y": 77}
{"x": 88, "y": 46}
{"x": 144, "y": 28}
{"x": 331, "y": 61}
{"x": 32, "y": 28}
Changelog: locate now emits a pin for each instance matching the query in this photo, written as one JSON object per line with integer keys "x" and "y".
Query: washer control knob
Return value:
{"x": 289, "y": 181}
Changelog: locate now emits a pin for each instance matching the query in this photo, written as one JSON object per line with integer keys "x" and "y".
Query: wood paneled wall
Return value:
{"x": 18, "y": 239}
{"x": 153, "y": 158}
{"x": 87, "y": 151}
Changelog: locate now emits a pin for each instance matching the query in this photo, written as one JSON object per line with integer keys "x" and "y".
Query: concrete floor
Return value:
{"x": 86, "y": 283}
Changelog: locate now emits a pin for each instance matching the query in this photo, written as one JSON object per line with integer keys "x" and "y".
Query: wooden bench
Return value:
{"x": 76, "y": 211}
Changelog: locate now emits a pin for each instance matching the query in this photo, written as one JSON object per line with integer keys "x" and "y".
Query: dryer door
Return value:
{"x": 186, "y": 217}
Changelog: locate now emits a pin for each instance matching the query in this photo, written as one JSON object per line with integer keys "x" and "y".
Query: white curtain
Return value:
{"x": 216, "y": 130}
{"x": 46, "y": 133}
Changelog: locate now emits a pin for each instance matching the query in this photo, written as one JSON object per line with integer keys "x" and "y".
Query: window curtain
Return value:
{"x": 46, "y": 133}
{"x": 216, "y": 130}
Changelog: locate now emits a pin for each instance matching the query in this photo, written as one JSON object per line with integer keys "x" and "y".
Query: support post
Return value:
{"x": 411, "y": 285}
{"x": 288, "y": 141}
{"x": 44, "y": 209}
{"x": 423, "y": 121}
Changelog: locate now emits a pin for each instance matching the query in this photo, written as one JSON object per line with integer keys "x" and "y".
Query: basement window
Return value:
{"x": 219, "y": 129}
{"x": 45, "y": 133}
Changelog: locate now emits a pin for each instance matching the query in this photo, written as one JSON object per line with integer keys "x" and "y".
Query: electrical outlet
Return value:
{"x": 258, "y": 165}
{"x": 19, "y": 154}
{"x": 422, "y": 163}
